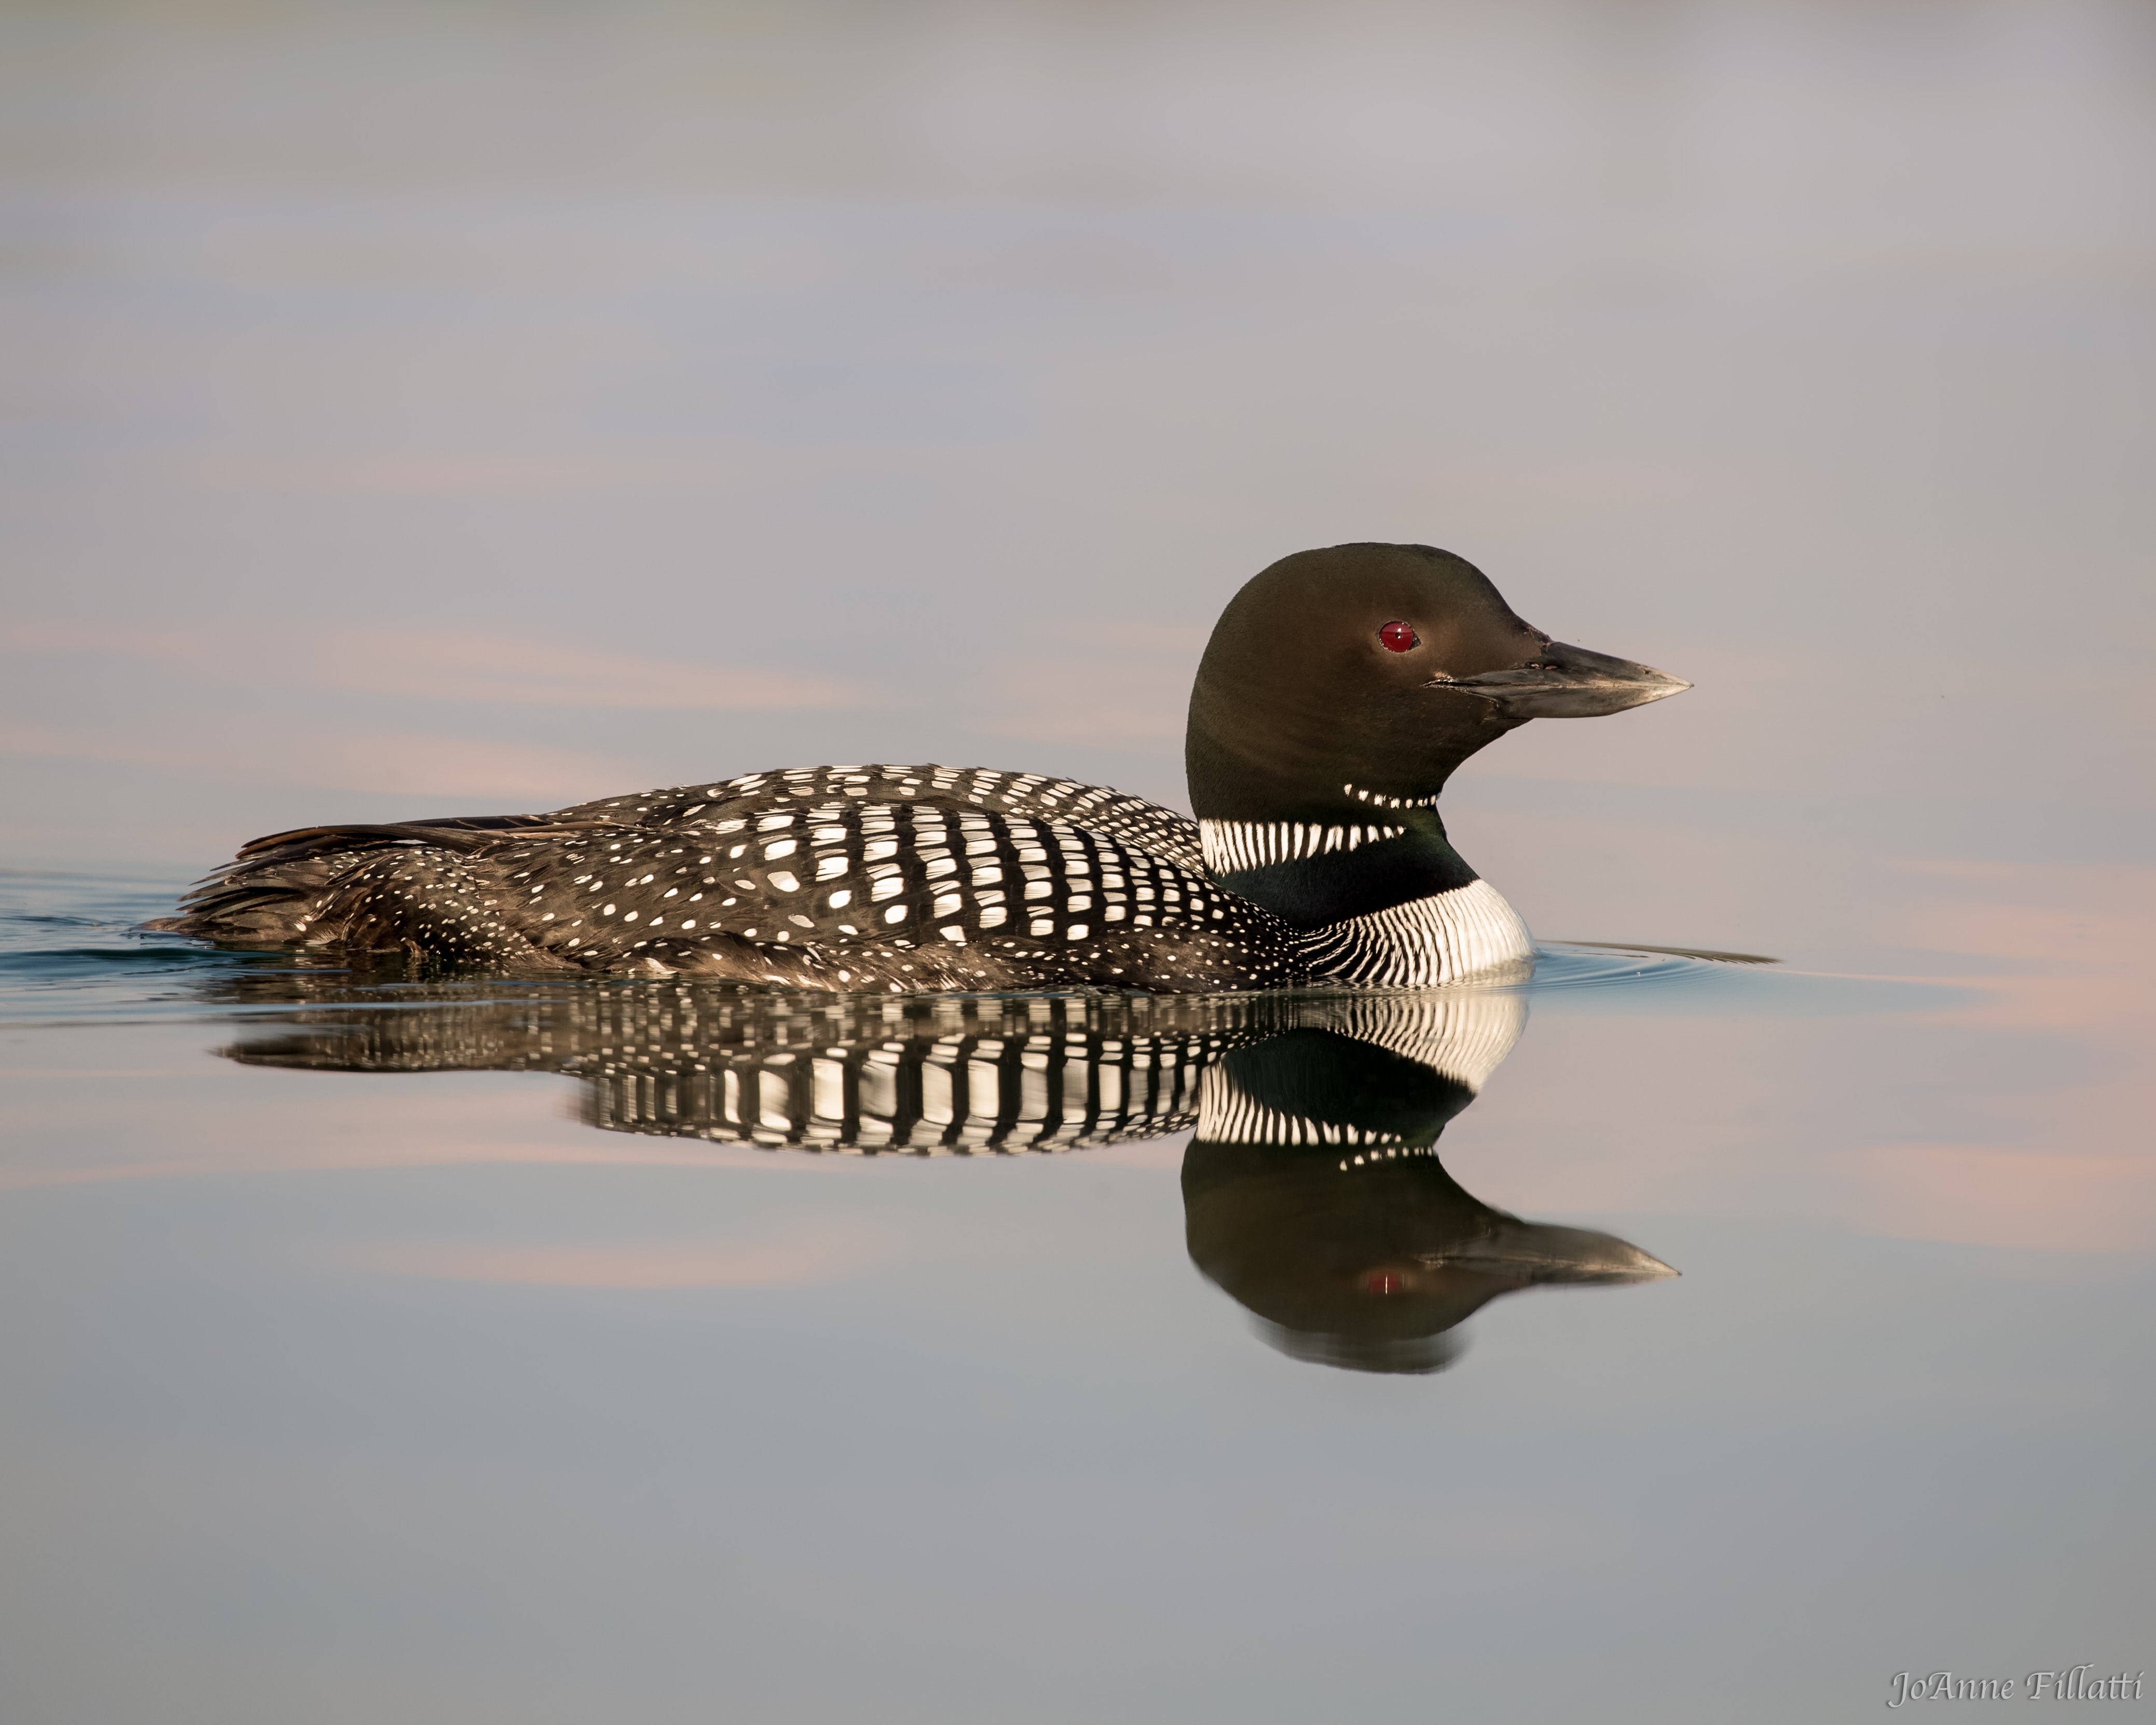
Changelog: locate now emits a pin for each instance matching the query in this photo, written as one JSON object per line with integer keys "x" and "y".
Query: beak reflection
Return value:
{"x": 1312, "y": 1192}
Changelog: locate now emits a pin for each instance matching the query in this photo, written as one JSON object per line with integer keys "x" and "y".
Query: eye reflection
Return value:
{"x": 1313, "y": 1191}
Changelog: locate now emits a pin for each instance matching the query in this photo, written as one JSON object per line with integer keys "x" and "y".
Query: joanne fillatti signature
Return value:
{"x": 2076, "y": 1682}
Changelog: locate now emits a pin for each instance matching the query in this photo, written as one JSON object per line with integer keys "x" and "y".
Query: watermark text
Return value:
{"x": 2076, "y": 1682}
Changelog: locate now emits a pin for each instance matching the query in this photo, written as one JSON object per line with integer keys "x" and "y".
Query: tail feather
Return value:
{"x": 459, "y": 832}
{"x": 269, "y": 890}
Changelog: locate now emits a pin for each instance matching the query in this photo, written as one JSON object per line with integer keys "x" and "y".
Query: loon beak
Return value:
{"x": 1567, "y": 682}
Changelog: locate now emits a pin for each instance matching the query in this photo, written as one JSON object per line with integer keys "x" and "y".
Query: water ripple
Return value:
{"x": 72, "y": 947}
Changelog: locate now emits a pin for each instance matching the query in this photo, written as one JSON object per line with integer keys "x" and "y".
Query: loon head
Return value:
{"x": 1354, "y": 678}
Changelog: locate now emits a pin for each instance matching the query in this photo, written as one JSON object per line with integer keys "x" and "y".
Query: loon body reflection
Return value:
{"x": 1313, "y": 1191}
{"x": 1339, "y": 690}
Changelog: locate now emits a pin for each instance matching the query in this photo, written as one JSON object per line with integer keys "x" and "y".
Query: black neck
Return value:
{"x": 1315, "y": 891}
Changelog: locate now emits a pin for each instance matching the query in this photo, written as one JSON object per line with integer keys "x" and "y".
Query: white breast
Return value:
{"x": 1450, "y": 936}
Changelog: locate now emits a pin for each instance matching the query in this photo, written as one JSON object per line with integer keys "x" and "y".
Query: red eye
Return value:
{"x": 1398, "y": 636}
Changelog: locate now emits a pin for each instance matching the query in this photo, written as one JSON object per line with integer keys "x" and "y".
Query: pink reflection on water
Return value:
{"x": 2074, "y": 1165}
{"x": 2013, "y": 1113}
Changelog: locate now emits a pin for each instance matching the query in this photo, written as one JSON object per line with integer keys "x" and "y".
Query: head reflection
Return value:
{"x": 1313, "y": 1191}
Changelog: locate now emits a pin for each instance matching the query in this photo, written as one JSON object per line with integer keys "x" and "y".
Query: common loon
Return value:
{"x": 1339, "y": 690}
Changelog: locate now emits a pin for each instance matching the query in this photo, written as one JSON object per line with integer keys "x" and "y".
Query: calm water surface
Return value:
{"x": 436, "y": 410}
{"x": 421, "y": 1344}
